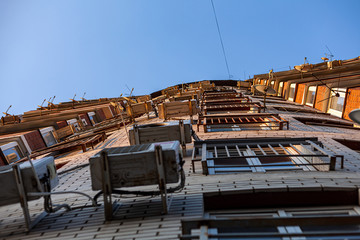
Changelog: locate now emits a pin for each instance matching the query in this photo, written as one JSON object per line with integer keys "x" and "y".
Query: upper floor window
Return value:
{"x": 281, "y": 86}
{"x": 11, "y": 152}
{"x": 292, "y": 92}
{"x": 262, "y": 155}
{"x": 310, "y": 97}
{"x": 336, "y": 103}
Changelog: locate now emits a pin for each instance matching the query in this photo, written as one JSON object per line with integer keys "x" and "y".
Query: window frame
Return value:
{"x": 280, "y": 89}
{"x": 292, "y": 86}
{"x": 342, "y": 93}
{"x": 311, "y": 89}
{"x": 263, "y": 154}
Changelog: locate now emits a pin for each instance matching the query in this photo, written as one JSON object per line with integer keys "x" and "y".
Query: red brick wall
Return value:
{"x": 300, "y": 89}
{"x": 35, "y": 140}
{"x": 100, "y": 114}
{"x": 320, "y": 95}
{"x": 352, "y": 101}
{"x": 61, "y": 124}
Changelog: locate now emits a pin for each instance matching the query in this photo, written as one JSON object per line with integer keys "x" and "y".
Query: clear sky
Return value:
{"x": 69, "y": 47}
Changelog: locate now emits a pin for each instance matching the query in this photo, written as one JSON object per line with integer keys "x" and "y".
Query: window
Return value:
{"x": 352, "y": 144}
{"x": 233, "y": 108}
{"x": 327, "y": 214}
{"x": 74, "y": 123}
{"x": 92, "y": 118}
{"x": 280, "y": 90}
{"x": 262, "y": 155}
{"x": 48, "y": 136}
{"x": 292, "y": 92}
{"x": 272, "y": 83}
{"x": 310, "y": 96}
{"x": 240, "y": 122}
{"x": 324, "y": 122}
{"x": 336, "y": 104}
{"x": 12, "y": 152}
{"x": 299, "y": 109}
{"x": 281, "y": 223}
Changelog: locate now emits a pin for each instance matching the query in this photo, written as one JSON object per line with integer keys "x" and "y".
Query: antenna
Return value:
{"x": 6, "y": 113}
{"x": 50, "y": 103}
{"x": 73, "y": 99}
{"x": 329, "y": 55}
{"x": 41, "y": 106}
{"x": 82, "y": 98}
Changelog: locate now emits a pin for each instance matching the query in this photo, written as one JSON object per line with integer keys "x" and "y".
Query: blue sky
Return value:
{"x": 103, "y": 48}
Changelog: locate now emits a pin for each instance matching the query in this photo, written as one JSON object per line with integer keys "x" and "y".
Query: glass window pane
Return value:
{"x": 12, "y": 154}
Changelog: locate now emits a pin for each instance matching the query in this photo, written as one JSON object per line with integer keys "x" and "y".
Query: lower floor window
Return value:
{"x": 339, "y": 222}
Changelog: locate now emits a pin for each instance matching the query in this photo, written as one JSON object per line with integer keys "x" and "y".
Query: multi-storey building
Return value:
{"x": 287, "y": 171}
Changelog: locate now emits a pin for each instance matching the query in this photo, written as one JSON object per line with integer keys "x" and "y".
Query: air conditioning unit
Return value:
{"x": 9, "y": 192}
{"x": 160, "y": 132}
{"x": 136, "y": 165}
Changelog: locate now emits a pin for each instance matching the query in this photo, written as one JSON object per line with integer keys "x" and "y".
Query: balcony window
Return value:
{"x": 240, "y": 122}
{"x": 262, "y": 155}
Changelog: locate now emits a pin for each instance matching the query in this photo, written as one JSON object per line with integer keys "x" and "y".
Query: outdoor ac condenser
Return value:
{"x": 136, "y": 165}
{"x": 9, "y": 193}
{"x": 160, "y": 132}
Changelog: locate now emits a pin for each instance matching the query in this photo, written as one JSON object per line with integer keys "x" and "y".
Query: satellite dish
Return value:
{"x": 303, "y": 67}
{"x": 325, "y": 59}
{"x": 264, "y": 90}
{"x": 355, "y": 115}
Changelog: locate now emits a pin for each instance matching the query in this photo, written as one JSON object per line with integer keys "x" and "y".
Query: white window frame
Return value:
{"x": 342, "y": 93}
{"x": 280, "y": 88}
{"x": 312, "y": 89}
{"x": 293, "y": 85}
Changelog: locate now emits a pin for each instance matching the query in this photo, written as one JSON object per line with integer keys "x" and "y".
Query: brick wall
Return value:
{"x": 300, "y": 89}
{"x": 320, "y": 95}
{"x": 352, "y": 101}
{"x": 61, "y": 124}
{"x": 100, "y": 115}
{"x": 35, "y": 140}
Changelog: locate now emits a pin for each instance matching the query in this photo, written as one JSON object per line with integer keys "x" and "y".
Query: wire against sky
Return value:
{"x": 221, "y": 41}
